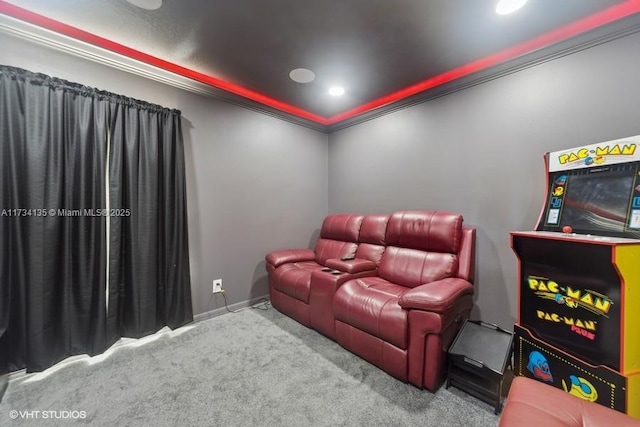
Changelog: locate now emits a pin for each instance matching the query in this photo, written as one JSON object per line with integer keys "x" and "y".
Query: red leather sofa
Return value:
{"x": 531, "y": 403}
{"x": 325, "y": 284}
{"x": 290, "y": 270}
{"x": 398, "y": 303}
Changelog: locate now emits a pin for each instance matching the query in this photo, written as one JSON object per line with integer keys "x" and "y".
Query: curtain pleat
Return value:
{"x": 175, "y": 303}
{"x": 59, "y": 139}
{"x": 147, "y": 160}
{"x": 53, "y": 264}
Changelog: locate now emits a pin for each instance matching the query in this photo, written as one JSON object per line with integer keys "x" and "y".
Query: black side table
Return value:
{"x": 478, "y": 359}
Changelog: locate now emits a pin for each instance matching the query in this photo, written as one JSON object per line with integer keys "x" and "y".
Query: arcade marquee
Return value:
{"x": 578, "y": 323}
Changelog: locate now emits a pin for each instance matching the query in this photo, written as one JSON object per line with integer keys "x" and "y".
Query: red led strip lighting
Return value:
{"x": 614, "y": 13}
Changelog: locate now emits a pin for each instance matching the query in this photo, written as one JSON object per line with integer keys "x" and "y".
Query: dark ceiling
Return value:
{"x": 380, "y": 51}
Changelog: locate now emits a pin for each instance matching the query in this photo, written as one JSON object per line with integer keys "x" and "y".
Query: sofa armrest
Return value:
{"x": 286, "y": 256}
{"x": 438, "y": 296}
{"x": 355, "y": 265}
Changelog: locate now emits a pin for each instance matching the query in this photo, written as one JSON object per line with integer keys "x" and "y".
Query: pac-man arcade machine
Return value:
{"x": 579, "y": 295}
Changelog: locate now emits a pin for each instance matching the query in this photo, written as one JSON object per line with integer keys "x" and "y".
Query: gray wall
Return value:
{"x": 479, "y": 152}
{"x": 254, "y": 183}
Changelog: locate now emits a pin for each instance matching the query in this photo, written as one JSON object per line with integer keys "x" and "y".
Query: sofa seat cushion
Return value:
{"x": 371, "y": 305}
{"x": 294, "y": 279}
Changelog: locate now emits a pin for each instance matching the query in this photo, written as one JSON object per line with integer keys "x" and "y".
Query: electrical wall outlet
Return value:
{"x": 217, "y": 286}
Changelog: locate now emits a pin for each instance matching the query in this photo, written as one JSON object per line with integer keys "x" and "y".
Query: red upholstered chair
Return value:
{"x": 404, "y": 319}
{"x": 533, "y": 403}
{"x": 290, "y": 270}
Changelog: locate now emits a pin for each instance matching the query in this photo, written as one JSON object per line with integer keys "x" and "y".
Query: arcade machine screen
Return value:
{"x": 601, "y": 201}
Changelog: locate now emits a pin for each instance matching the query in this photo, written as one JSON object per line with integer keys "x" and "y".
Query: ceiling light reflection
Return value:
{"x": 336, "y": 91}
{"x": 505, "y": 7}
{"x": 147, "y": 4}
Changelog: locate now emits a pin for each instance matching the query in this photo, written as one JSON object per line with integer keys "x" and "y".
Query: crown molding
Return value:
{"x": 53, "y": 40}
{"x": 596, "y": 37}
{"x": 62, "y": 43}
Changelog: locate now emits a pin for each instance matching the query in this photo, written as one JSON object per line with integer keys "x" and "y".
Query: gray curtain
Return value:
{"x": 149, "y": 284}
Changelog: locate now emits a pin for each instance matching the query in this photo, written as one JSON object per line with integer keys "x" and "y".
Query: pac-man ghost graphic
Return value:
{"x": 561, "y": 180}
{"x": 539, "y": 366}
{"x": 581, "y": 388}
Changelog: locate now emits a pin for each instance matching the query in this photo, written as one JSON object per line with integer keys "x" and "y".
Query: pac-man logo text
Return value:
{"x": 570, "y": 296}
{"x": 597, "y": 153}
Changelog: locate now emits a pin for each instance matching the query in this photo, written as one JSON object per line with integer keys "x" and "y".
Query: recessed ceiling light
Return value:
{"x": 336, "y": 91}
{"x": 302, "y": 75}
{"x": 505, "y": 7}
{"x": 147, "y": 4}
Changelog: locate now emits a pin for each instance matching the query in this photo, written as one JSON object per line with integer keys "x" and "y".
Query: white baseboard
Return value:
{"x": 233, "y": 307}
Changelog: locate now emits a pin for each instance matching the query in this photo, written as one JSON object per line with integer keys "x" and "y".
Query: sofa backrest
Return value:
{"x": 424, "y": 246}
{"x": 338, "y": 237}
{"x": 372, "y": 237}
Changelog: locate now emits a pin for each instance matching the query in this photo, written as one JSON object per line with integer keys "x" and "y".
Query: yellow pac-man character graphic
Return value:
{"x": 570, "y": 302}
{"x": 558, "y": 191}
{"x": 581, "y": 388}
